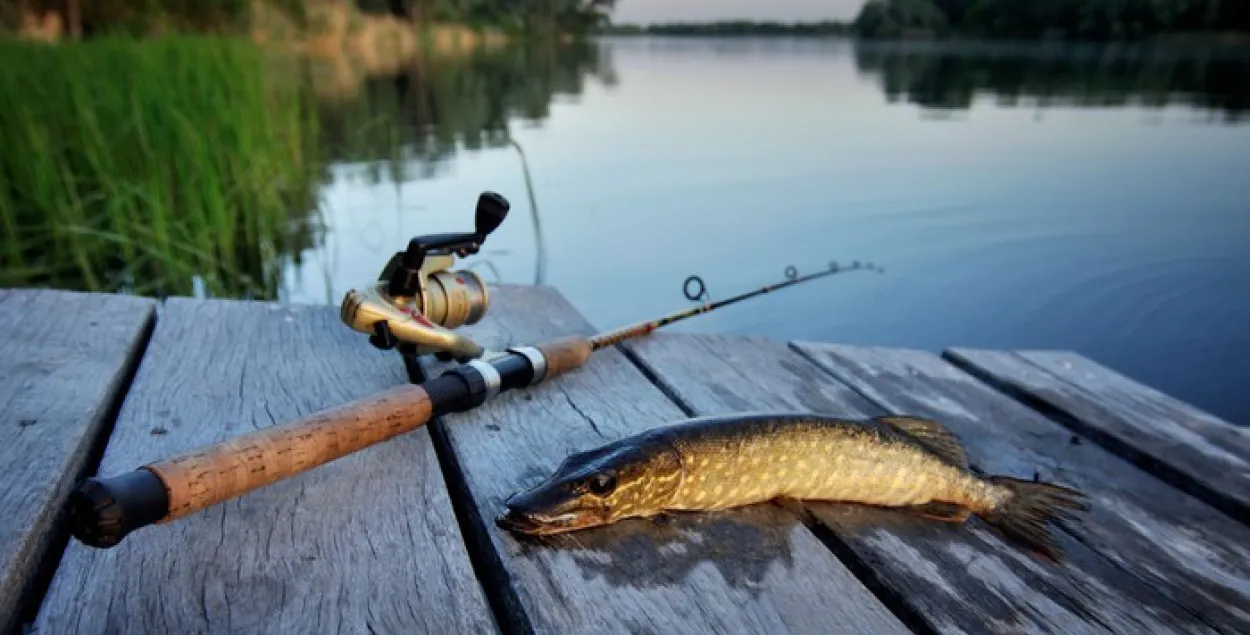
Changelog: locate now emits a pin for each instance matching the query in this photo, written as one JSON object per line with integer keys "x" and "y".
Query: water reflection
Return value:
{"x": 415, "y": 120}
{"x": 253, "y": 211}
{"x": 946, "y": 76}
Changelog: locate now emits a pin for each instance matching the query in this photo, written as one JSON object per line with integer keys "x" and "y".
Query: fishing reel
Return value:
{"x": 418, "y": 300}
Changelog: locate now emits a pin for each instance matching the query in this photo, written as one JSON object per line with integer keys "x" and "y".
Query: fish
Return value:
{"x": 719, "y": 462}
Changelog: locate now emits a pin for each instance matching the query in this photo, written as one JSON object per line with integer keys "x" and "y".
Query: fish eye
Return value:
{"x": 602, "y": 483}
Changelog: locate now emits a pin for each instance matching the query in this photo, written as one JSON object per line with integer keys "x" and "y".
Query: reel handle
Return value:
{"x": 492, "y": 209}
{"x": 490, "y": 213}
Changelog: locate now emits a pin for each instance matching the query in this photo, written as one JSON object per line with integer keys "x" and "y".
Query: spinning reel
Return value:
{"x": 418, "y": 300}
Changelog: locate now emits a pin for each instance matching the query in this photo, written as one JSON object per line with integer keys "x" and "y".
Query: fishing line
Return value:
{"x": 489, "y": 265}
{"x": 876, "y": 308}
{"x": 540, "y": 264}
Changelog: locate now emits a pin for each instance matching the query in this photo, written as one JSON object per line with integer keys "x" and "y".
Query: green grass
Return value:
{"x": 137, "y": 165}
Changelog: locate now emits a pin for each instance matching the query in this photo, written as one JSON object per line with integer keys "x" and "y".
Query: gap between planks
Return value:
{"x": 61, "y": 536}
{"x": 1208, "y": 462}
{"x": 488, "y": 568}
{"x": 48, "y": 556}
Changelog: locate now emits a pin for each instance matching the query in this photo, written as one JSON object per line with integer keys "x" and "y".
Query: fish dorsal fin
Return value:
{"x": 932, "y": 435}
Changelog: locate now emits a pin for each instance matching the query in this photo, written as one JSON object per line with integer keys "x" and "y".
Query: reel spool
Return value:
{"x": 418, "y": 299}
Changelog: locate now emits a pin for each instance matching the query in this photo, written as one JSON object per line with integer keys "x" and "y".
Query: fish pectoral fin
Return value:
{"x": 934, "y": 436}
{"x": 945, "y": 512}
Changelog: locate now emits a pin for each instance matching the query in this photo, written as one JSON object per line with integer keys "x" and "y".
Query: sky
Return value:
{"x": 644, "y": 11}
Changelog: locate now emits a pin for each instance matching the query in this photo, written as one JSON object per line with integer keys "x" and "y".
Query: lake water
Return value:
{"x": 1017, "y": 197}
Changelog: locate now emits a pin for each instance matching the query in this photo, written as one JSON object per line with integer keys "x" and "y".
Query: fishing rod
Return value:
{"x": 104, "y": 510}
{"x": 642, "y": 328}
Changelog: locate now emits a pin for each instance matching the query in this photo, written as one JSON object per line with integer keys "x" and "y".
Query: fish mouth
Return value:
{"x": 534, "y": 514}
{"x": 536, "y": 524}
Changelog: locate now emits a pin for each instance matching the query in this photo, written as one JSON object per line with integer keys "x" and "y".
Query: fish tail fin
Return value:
{"x": 1032, "y": 504}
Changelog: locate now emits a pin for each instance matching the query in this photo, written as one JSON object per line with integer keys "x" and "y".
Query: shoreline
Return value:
{"x": 1239, "y": 44}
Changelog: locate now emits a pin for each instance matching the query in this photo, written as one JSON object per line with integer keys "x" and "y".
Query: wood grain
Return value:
{"x": 1182, "y": 548}
{"x": 1197, "y": 452}
{"x": 956, "y": 579}
{"x": 65, "y": 360}
{"x": 366, "y": 543}
{"x": 758, "y": 571}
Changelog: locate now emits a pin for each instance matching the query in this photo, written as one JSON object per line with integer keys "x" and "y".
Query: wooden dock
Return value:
{"x": 400, "y": 538}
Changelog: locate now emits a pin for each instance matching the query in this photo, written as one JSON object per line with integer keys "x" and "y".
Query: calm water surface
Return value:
{"x": 1016, "y": 199}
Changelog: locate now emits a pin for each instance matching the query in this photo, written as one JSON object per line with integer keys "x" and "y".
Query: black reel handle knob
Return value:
{"x": 492, "y": 209}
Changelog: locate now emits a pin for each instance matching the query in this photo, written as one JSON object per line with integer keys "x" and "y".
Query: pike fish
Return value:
{"x": 720, "y": 462}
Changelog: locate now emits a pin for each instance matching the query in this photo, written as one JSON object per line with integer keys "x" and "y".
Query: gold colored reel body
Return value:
{"x": 419, "y": 299}
{"x": 363, "y": 309}
{"x": 455, "y": 298}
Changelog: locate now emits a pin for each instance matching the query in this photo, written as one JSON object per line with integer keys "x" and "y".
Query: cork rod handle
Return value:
{"x": 221, "y": 472}
{"x": 565, "y": 354}
{"x": 104, "y": 510}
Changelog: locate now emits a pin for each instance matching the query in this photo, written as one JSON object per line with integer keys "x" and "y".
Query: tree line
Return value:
{"x": 1051, "y": 19}
{"x": 570, "y": 16}
{"x": 1013, "y": 19}
{"x": 731, "y": 27}
{"x": 90, "y": 17}
{"x": 99, "y": 17}
{"x": 1090, "y": 20}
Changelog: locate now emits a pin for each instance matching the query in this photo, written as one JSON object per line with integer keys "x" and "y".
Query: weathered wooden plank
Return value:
{"x": 1131, "y": 393}
{"x": 1193, "y": 450}
{"x": 367, "y": 543}
{"x": 1181, "y": 547}
{"x": 65, "y": 361}
{"x": 753, "y": 572}
{"x": 954, "y": 579}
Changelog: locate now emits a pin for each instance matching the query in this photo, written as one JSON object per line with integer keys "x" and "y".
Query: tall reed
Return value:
{"x": 139, "y": 165}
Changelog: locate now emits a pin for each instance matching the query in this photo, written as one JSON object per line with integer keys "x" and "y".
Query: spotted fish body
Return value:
{"x": 732, "y": 462}
{"x": 722, "y": 462}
